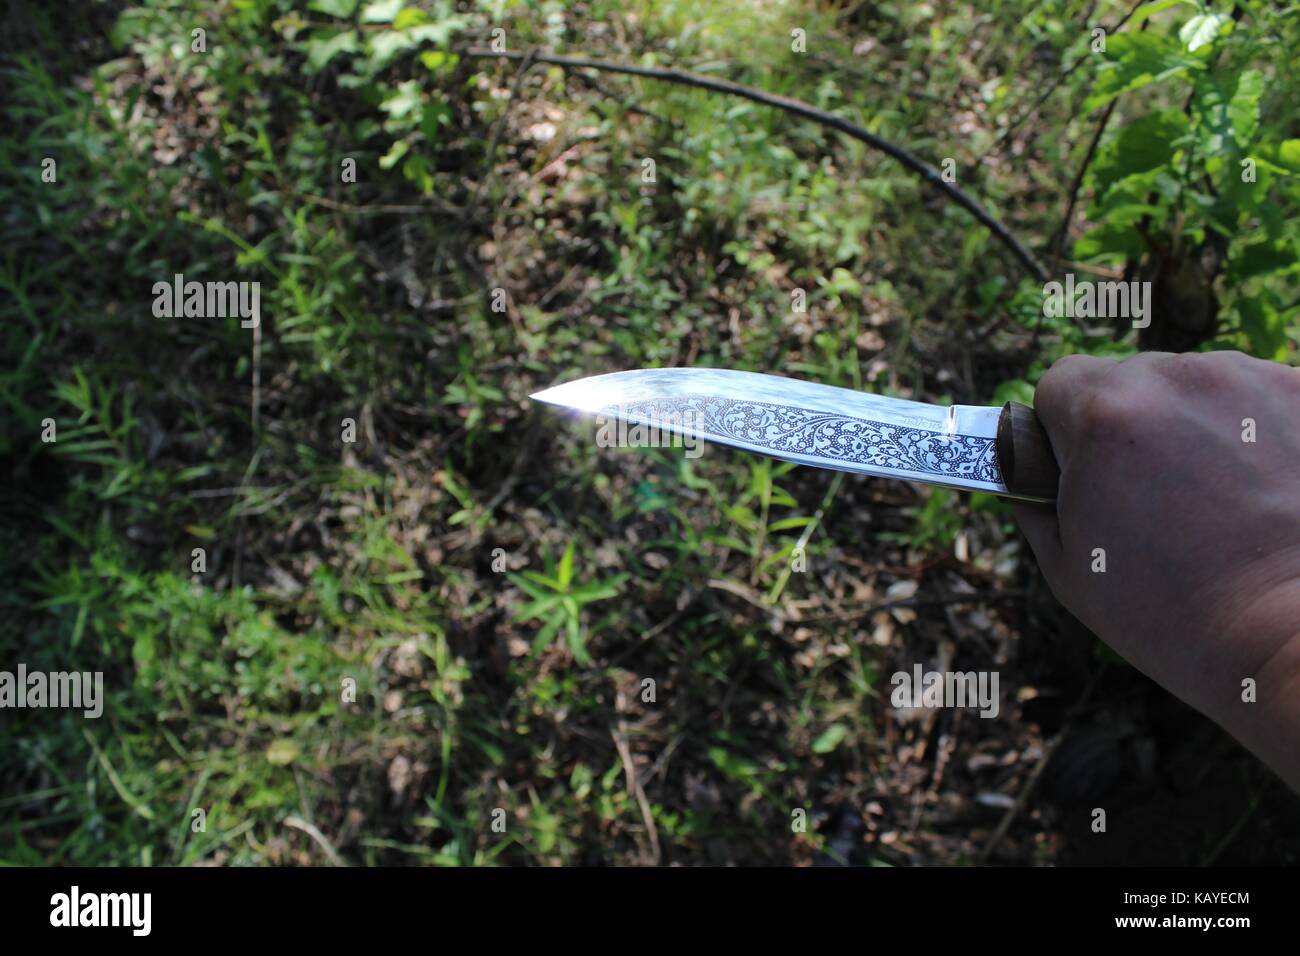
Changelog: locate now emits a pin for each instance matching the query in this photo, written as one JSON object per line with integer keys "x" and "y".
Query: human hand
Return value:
{"x": 1175, "y": 535}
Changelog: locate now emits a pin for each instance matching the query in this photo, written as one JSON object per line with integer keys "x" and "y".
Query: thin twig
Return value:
{"x": 799, "y": 108}
{"x": 1057, "y": 245}
{"x": 1022, "y": 797}
{"x": 297, "y": 823}
{"x": 257, "y": 380}
{"x": 609, "y": 94}
{"x": 946, "y": 600}
{"x": 635, "y": 789}
{"x": 1236, "y": 828}
{"x": 1064, "y": 75}
{"x": 524, "y": 66}
{"x": 424, "y": 208}
{"x": 1063, "y": 230}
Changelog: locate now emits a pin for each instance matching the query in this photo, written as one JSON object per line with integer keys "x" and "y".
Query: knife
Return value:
{"x": 969, "y": 447}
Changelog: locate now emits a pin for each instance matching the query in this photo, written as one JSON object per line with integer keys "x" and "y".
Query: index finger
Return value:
{"x": 1063, "y": 392}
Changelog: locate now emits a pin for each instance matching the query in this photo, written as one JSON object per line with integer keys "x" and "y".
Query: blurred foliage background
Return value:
{"x": 496, "y": 587}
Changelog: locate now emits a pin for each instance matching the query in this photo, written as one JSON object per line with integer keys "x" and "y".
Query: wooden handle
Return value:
{"x": 1025, "y": 455}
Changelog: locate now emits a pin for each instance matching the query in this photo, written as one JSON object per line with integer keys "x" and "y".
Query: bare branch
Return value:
{"x": 798, "y": 108}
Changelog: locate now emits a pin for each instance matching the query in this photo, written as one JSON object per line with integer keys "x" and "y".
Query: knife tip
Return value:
{"x": 582, "y": 394}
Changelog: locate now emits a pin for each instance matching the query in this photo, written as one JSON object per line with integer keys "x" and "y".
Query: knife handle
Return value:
{"x": 1025, "y": 455}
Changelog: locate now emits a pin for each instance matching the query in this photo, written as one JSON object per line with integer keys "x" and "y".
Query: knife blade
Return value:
{"x": 1003, "y": 451}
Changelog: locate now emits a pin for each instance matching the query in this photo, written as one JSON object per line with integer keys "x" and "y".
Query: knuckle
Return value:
{"x": 1104, "y": 411}
{"x": 1287, "y": 377}
{"x": 1066, "y": 368}
{"x": 1195, "y": 371}
{"x": 1061, "y": 385}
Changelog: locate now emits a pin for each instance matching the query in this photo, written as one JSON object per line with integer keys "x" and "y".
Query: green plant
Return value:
{"x": 1200, "y": 197}
{"x": 558, "y": 602}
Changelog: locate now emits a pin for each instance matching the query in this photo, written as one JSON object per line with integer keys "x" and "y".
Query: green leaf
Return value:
{"x": 67, "y": 529}
{"x": 547, "y": 633}
{"x": 538, "y": 608}
{"x": 1264, "y": 328}
{"x": 395, "y": 153}
{"x": 409, "y": 17}
{"x": 1016, "y": 390}
{"x": 597, "y": 591}
{"x": 576, "y": 644}
{"x": 436, "y": 114}
{"x": 1214, "y": 122}
{"x": 1149, "y": 10}
{"x": 787, "y": 524}
{"x": 546, "y": 828}
{"x": 1260, "y": 258}
{"x": 143, "y": 651}
{"x": 1137, "y": 60}
{"x": 386, "y": 44}
{"x": 1109, "y": 241}
{"x": 403, "y": 103}
{"x": 1203, "y": 29}
{"x": 1243, "y": 108}
{"x": 321, "y": 51}
{"x": 417, "y": 170}
{"x": 441, "y": 32}
{"x": 438, "y": 60}
{"x": 565, "y": 573}
{"x": 830, "y": 739}
{"x": 381, "y": 11}
{"x": 343, "y": 9}
{"x": 1288, "y": 154}
{"x": 400, "y": 577}
{"x": 736, "y": 767}
{"x": 382, "y": 47}
{"x": 1143, "y": 145}
{"x": 282, "y": 752}
{"x": 543, "y": 580}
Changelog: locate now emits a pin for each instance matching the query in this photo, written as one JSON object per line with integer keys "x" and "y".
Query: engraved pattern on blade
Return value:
{"x": 783, "y": 428}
